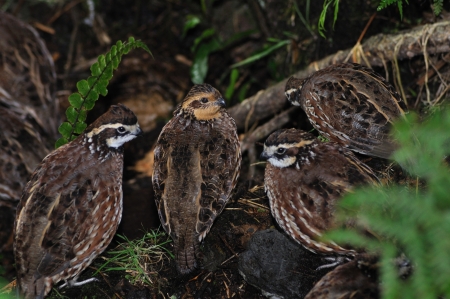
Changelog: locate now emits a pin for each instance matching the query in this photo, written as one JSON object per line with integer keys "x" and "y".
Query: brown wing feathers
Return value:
{"x": 197, "y": 161}
{"x": 71, "y": 207}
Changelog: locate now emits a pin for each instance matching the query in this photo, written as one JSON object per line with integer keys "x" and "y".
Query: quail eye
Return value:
{"x": 281, "y": 150}
{"x": 121, "y": 129}
{"x": 204, "y": 100}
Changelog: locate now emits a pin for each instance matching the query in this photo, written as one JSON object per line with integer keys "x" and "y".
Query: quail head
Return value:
{"x": 72, "y": 205}
{"x": 304, "y": 180}
{"x": 349, "y": 104}
{"x": 197, "y": 163}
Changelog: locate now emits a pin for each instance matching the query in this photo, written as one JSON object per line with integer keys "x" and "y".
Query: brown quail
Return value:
{"x": 197, "y": 163}
{"x": 71, "y": 207}
{"x": 304, "y": 180}
{"x": 349, "y": 104}
{"x": 357, "y": 279}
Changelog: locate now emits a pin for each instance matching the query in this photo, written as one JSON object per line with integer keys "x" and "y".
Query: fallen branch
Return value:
{"x": 264, "y": 130}
{"x": 377, "y": 50}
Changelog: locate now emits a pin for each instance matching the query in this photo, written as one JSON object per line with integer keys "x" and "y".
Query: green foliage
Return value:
{"x": 234, "y": 75}
{"x": 414, "y": 221}
{"x": 305, "y": 19}
{"x": 204, "y": 45}
{"x": 191, "y": 22}
{"x": 323, "y": 15}
{"x": 141, "y": 258}
{"x": 263, "y": 53}
{"x": 386, "y": 3}
{"x": 90, "y": 89}
{"x": 7, "y": 296}
{"x": 438, "y": 6}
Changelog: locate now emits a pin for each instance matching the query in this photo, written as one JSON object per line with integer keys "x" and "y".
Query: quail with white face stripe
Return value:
{"x": 304, "y": 179}
{"x": 350, "y": 104}
{"x": 72, "y": 205}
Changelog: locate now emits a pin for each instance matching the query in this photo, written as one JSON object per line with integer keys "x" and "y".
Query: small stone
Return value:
{"x": 278, "y": 266}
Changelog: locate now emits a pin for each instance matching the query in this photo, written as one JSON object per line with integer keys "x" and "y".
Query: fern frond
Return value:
{"x": 416, "y": 223}
{"x": 385, "y": 3}
{"x": 89, "y": 90}
{"x": 438, "y": 6}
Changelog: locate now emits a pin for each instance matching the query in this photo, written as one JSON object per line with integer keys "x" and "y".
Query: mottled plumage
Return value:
{"x": 71, "y": 207}
{"x": 197, "y": 163}
{"x": 357, "y": 279}
{"x": 349, "y": 104}
{"x": 27, "y": 75}
{"x": 29, "y": 115}
{"x": 304, "y": 179}
{"x": 21, "y": 150}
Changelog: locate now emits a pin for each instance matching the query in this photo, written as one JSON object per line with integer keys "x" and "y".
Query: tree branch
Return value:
{"x": 378, "y": 49}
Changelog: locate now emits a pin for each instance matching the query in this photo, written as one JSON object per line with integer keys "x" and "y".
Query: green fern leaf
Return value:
{"x": 438, "y": 6}
{"x": 89, "y": 90}
{"x": 60, "y": 142}
{"x": 75, "y": 100}
{"x": 71, "y": 114}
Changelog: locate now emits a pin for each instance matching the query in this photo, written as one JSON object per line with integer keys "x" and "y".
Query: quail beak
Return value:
{"x": 264, "y": 156}
{"x": 221, "y": 102}
{"x": 138, "y": 132}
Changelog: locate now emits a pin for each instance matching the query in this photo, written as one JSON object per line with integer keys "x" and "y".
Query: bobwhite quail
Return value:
{"x": 197, "y": 163}
{"x": 71, "y": 207}
{"x": 349, "y": 104}
{"x": 357, "y": 279}
{"x": 304, "y": 179}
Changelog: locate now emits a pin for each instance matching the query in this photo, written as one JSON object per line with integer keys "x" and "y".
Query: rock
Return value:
{"x": 278, "y": 266}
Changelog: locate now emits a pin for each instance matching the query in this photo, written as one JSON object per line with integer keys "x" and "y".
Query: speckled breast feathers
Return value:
{"x": 197, "y": 162}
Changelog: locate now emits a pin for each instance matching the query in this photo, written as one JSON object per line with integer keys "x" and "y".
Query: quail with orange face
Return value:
{"x": 304, "y": 179}
{"x": 72, "y": 206}
{"x": 349, "y": 104}
{"x": 197, "y": 163}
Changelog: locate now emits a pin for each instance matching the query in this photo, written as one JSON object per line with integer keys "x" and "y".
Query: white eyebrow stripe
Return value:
{"x": 289, "y": 91}
{"x": 98, "y": 130}
{"x": 273, "y": 148}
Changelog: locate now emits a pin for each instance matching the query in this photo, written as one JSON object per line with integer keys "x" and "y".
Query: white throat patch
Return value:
{"x": 118, "y": 141}
{"x": 285, "y": 162}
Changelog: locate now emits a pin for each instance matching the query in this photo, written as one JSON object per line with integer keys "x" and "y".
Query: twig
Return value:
{"x": 226, "y": 244}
